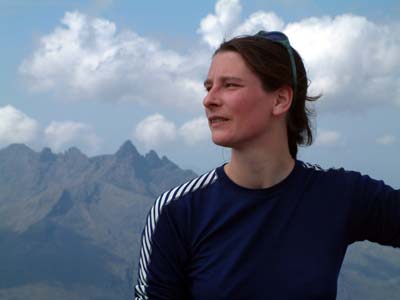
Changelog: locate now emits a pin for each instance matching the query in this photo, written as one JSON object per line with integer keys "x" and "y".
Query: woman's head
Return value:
{"x": 239, "y": 109}
{"x": 272, "y": 63}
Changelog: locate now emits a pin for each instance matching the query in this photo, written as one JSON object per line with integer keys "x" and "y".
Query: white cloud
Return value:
{"x": 225, "y": 23}
{"x": 87, "y": 58}
{"x": 215, "y": 27}
{"x": 260, "y": 21}
{"x": 62, "y": 135}
{"x": 16, "y": 127}
{"x": 155, "y": 131}
{"x": 327, "y": 138}
{"x": 386, "y": 140}
{"x": 195, "y": 131}
{"x": 354, "y": 62}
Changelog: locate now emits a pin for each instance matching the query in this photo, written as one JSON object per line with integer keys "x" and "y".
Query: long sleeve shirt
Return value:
{"x": 212, "y": 239}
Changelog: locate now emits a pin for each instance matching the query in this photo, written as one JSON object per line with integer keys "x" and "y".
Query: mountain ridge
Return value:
{"x": 66, "y": 218}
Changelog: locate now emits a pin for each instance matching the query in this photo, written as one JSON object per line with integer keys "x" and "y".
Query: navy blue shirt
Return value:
{"x": 212, "y": 239}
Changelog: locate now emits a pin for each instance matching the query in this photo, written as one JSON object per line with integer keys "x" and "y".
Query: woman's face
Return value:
{"x": 237, "y": 107}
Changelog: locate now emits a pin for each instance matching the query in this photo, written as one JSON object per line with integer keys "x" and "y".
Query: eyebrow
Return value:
{"x": 223, "y": 79}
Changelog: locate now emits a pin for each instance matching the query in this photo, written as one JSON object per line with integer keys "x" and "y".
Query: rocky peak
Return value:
{"x": 18, "y": 150}
{"x": 73, "y": 151}
{"x": 127, "y": 151}
{"x": 46, "y": 155}
{"x": 166, "y": 161}
{"x": 152, "y": 159}
{"x": 74, "y": 155}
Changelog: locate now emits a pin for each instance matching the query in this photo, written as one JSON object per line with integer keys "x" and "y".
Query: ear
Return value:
{"x": 283, "y": 100}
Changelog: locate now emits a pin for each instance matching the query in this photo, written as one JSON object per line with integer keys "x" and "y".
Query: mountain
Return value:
{"x": 70, "y": 226}
{"x": 370, "y": 271}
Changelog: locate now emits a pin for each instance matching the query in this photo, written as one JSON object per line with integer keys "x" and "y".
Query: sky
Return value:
{"x": 93, "y": 74}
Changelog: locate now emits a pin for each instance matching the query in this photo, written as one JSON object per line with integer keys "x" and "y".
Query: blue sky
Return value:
{"x": 93, "y": 74}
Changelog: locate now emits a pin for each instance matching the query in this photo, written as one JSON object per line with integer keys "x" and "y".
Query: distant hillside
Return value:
{"x": 70, "y": 227}
{"x": 70, "y": 224}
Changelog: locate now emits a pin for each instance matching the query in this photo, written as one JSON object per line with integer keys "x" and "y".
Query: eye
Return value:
{"x": 231, "y": 84}
{"x": 207, "y": 88}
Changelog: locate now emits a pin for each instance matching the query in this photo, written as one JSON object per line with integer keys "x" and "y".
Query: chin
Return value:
{"x": 223, "y": 142}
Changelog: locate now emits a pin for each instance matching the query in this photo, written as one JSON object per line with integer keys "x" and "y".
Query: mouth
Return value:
{"x": 217, "y": 120}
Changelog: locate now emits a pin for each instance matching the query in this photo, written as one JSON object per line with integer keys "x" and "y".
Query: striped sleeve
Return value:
{"x": 160, "y": 272}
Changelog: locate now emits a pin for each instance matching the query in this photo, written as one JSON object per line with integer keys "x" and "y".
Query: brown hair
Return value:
{"x": 270, "y": 61}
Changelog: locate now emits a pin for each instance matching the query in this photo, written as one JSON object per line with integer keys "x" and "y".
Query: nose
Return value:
{"x": 212, "y": 98}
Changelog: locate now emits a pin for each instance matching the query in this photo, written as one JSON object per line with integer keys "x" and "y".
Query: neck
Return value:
{"x": 258, "y": 167}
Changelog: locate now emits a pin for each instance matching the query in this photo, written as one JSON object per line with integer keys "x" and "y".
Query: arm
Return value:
{"x": 162, "y": 256}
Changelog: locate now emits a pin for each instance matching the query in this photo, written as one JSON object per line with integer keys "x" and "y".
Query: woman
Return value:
{"x": 265, "y": 225}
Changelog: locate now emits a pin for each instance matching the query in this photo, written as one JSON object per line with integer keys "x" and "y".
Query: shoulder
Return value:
{"x": 174, "y": 202}
{"x": 318, "y": 170}
{"x": 186, "y": 189}
{"x": 342, "y": 177}
{"x": 332, "y": 175}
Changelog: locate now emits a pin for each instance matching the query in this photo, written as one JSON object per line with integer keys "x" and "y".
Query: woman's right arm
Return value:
{"x": 162, "y": 256}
